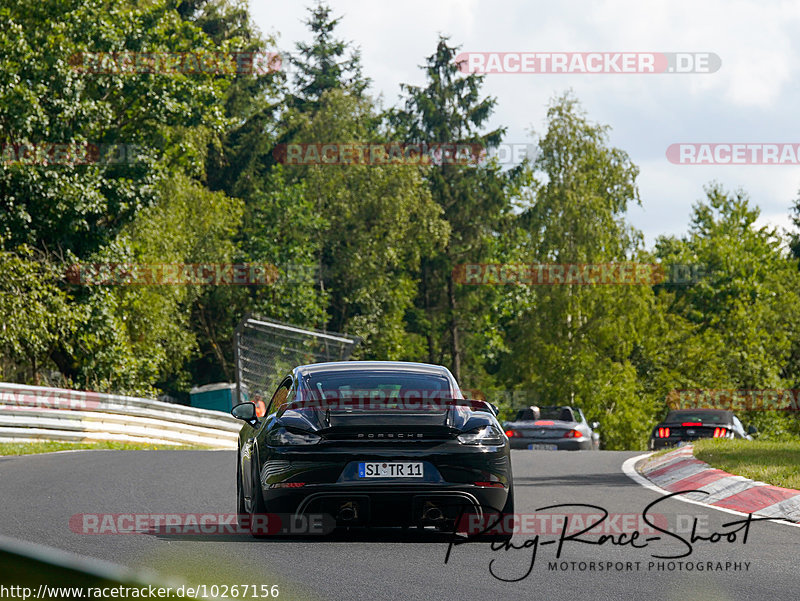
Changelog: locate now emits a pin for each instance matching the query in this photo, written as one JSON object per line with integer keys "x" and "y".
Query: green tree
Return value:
{"x": 378, "y": 223}
{"x": 50, "y": 93}
{"x": 324, "y": 65}
{"x": 571, "y": 343}
{"x": 36, "y": 315}
{"x": 737, "y": 327}
{"x": 48, "y": 96}
{"x": 450, "y": 110}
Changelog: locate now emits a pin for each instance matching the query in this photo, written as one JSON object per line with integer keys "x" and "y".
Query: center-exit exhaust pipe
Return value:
{"x": 347, "y": 512}
{"x": 431, "y": 513}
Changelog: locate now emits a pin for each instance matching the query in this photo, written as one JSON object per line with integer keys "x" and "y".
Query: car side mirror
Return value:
{"x": 245, "y": 412}
{"x": 495, "y": 409}
{"x": 752, "y": 430}
{"x": 594, "y": 425}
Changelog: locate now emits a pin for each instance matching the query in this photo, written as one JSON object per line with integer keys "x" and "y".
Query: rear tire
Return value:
{"x": 240, "y": 508}
{"x": 257, "y": 507}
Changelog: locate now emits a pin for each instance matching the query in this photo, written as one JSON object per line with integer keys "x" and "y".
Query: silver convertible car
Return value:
{"x": 554, "y": 428}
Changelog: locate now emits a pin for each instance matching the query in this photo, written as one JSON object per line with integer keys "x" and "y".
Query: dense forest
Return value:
{"x": 365, "y": 248}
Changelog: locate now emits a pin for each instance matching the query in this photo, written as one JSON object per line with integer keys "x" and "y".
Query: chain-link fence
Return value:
{"x": 267, "y": 350}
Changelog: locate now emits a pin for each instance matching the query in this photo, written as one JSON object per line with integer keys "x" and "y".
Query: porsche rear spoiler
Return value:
{"x": 420, "y": 414}
{"x": 407, "y": 405}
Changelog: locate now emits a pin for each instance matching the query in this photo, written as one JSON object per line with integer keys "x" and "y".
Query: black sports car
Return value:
{"x": 378, "y": 443}
{"x": 685, "y": 425}
{"x": 556, "y": 428}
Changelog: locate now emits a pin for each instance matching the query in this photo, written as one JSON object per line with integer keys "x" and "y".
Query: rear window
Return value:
{"x": 706, "y": 417}
{"x": 387, "y": 385}
{"x": 564, "y": 414}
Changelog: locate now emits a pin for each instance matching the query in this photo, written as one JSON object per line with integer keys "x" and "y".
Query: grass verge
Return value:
{"x": 776, "y": 463}
{"x": 29, "y": 448}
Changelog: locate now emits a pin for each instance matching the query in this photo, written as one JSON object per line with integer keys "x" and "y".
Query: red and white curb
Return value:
{"x": 678, "y": 471}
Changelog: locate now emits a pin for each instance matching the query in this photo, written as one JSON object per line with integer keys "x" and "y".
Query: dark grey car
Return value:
{"x": 555, "y": 428}
{"x": 682, "y": 426}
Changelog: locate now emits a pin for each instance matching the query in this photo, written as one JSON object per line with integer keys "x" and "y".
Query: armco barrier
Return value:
{"x": 30, "y": 413}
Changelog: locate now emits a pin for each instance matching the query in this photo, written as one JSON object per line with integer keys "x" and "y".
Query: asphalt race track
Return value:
{"x": 41, "y": 492}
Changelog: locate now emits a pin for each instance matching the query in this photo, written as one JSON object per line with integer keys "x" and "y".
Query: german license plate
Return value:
{"x": 542, "y": 447}
{"x": 390, "y": 469}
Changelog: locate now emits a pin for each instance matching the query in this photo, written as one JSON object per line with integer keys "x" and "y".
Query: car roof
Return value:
{"x": 573, "y": 408}
{"x": 723, "y": 412}
{"x": 577, "y": 414}
{"x": 696, "y": 409}
{"x": 395, "y": 366}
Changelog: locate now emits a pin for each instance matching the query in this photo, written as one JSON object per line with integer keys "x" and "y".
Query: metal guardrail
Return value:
{"x": 35, "y": 413}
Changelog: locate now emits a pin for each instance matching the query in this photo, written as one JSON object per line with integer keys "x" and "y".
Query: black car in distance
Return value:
{"x": 681, "y": 426}
{"x": 373, "y": 443}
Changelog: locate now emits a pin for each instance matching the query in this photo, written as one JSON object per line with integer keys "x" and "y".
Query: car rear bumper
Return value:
{"x": 326, "y": 480}
{"x": 656, "y": 444}
{"x": 377, "y": 504}
{"x": 561, "y": 444}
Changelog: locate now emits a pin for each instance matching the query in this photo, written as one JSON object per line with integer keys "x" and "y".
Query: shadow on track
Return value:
{"x": 354, "y": 535}
{"x": 582, "y": 480}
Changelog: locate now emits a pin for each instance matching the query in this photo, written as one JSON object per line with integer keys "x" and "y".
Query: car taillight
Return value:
{"x": 720, "y": 432}
{"x": 288, "y": 485}
{"x": 572, "y": 434}
{"x": 662, "y": 433}
{"x": 488, "y": 435}
{"x": 491, "y": 484}
{"x": 512, "y": 433}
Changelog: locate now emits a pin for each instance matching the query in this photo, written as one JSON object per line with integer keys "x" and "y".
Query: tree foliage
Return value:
{"x": 366, "y": 249}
